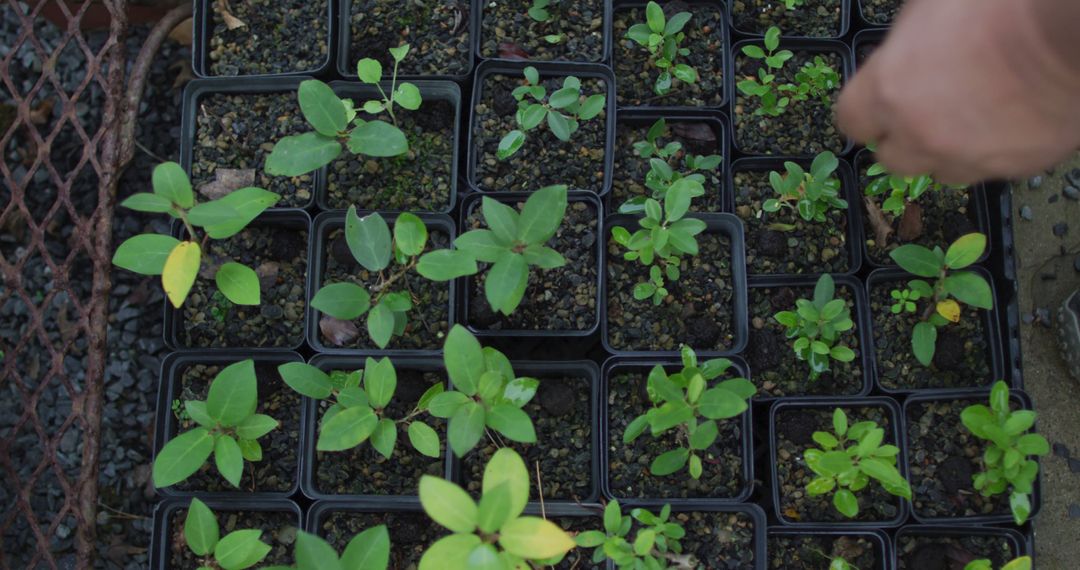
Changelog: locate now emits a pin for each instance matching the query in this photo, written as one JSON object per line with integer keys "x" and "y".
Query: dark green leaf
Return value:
{"x": 971, "y": 289}
{"x": 171, "y": 182}
{"x": 369, "y": 239}
{"x": 145, "y": 253}
{"x": 238, "y": 283}
{"x": 502, "y": 219}
{"x": 923, "y": 342}
{"x": 917, "y": 259}
{"x": 182, "y": 456}
{"x": 301, "y": 154}
{"x": 146, "y": 202}
{"x": 380, "y": 324}
{"x": 542, "y": 215}
{"x": 466, "y": 427}
{"x": 510, "y": 144}
{"x": 446, "y": 264}
{"x": 410, "y": 234}
{"x": 229, "y": 459}
{"x": 464, "y": 359}
{"x": 506, "y": 282}
{"x": 378, "y": 139}
{"x": 345, "y": 301}
{"x": 322, "y": 108}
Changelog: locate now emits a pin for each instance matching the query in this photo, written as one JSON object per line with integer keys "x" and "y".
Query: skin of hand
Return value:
{"x": 971, "y": 90}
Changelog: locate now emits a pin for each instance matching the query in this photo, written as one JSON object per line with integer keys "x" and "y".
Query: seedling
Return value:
{"x": 791, "y": 5}
{"x": 1022, "y": 563}
{"x": 655, "y": 546}
{"x": 951, "y": 287}
{"x": 815, "y": 325}
{"x": 816, "y": 78}
{"x": 901, "y": 190}
{"x": 369, "y": 550}
{"x": 662, "y": 36}
{"x": 563, "y": 110}
{"x": 838, "y": 563}
{"x": 905, "y": 301}
{"x": 235, "y": 551}
{"x": 1010, "y": 445}
{"x": 178, "y": 262}
{"x": 539, "y": 10}
{"x": 228, "y": 427}
{"x": 685, "y": 402}
{"x": 662, "y": 173}
{"x": 764, "y": 87}
{"x": 848, "y": 460}
{"x": 336, "y": 122}
{"x": 812, "y": 194}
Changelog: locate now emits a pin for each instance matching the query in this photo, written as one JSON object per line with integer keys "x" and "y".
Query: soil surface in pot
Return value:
{"x": 805, "y": 128}
{"x": 628, "y": 464}
{"x": 961, "y": 357}
{"x": 915, "y": 552}
{"x": 579, "y": 558}
{"x": 636, "y": 72}
{"x": 278, "y": 254}
{"x": 507, "y": 31}
{"x": 881, "y": 12}
{"x": 277, "y": 470}
{"x": 815, "y": 18}
{"x": 437, "y": 32}
{"x": 429, "y": 319}
{"x": 560, "y": 299}
{"x": 277, "y": 36}
{"x": 777, "y": 372}
{"x": 816, "y": 551}
{"x": 698, "y": 312}
{"x": 411, "y": 533}
{"x": 795, "y": 428}
{"x": 543, "y": 160}
{"x": 561, "y": 415}
{"x": 417, "y": 181}
{"x": 278, "y": 530}
{"x": 364, "y": 471}
{"x": 782, "y": 242}
{"x": 234, "y": 133}
{"x": 698, "y": 138}
{"x": 717, "y": 539}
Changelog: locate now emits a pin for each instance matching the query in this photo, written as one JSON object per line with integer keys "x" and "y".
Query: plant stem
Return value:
{"x": 393, "y": 278}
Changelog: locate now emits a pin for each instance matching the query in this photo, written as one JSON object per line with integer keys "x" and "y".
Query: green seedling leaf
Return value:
{"x": 182, "y": 456}
{"x": 917, "y": 259}
{"x": 542, "y": 214}
{"x": 379, "y": 139}
{"x": 446, "y": 264}
{"x": 534, "y": 538}
{"x": 424, "y": 439}
{"x": 146, "y": 202}
{"x": 171, "y": 182}
{"x": 369, "y": 239}
{"x": 369, "y": 70}
{"x": 466, "y": 427}
{"x": 145, "y": 253}
{"x": 229, "y": 459}
{"x": 408, "y": 96}
{"x": 238, "y": 283}
{"x": 513, "y": 423}
{"x": 345, "y": 301}
{"x": 248, "y": 203}
{"x": 965, "y": 250}
{"x": 179, "y": 272}
{"x": 306, "y": 380}
{"x": 464, "y": 359}
{"x": 241, "y": 549}
{"x": 381, "y": 323}
{"x": 410, "y": 234}
{"x": 506, "y": 283}
{"x": 300, "y": 154}
{"x": 233, "y": 393}
{"x": 200, "y": 528}
{"x": 322, "y": 108}
{"x": 369, "y": 550}
{"x": 347, "y": 429}
{"x": 447, "y": 504}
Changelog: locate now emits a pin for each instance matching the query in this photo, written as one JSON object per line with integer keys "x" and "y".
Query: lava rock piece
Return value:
{"x": 949, "y": 351}
{"x": 556, "y": 397}
{"x": 702, "y": 331}
{"x": 767, "y": 349}
{"x": 339, "y": 250}
{"x": 955, "y": 474}
{"x": 1060, "y": 229}
{"x": 1026, "y": 213}
{"x": 1035, "y": 182}
{"x": 798, "y": 426}
{"x": 771, "y": 243}
{"x": 930, "y": 557}
{"x": 480, "y": 313}
{"x": 287, "y": 245}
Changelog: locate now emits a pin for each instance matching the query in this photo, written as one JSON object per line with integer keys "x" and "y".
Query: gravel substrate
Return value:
{"x": 880, "y": 12}
{"x": 716, "y": 538}
{"x": 507, "y": 31}
{"x": 278, "y": 36}
{"x": 928, "y": 552}
{"x": 816, "y": 551}
{"x": 815, "y": 18}
{"x": 437, "y": 33}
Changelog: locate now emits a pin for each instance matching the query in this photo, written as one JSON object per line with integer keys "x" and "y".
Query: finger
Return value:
{"x": 903, "y": 158}
{"x": 859, "y": 110}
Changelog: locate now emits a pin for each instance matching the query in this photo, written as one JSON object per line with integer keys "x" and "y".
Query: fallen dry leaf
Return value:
{"x": 337, "y": 331}
{"x": 231, "y": 22}
{"x": 226, "y": 180}
{"x": 699, "y": 132}
{"x": 911, "y": 223}
{"x": 508, "y": 50}
{"x": 181, "y": 34}
{"x": 882, "y": 227}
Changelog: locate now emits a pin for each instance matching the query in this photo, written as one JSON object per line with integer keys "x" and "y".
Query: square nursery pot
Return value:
{"x": 957, "y": 363}
{"x": 713, "y": 323}
{"x": 709, "y": 44}
{"x": 279, "y": 519}
{"x": 505, "y": 32}
{"x": 805, "y": 128}
{"x": 543, "y": 160}
{"x": 941, "y": 479}
{"x": 776, "y": 370}
{"x": 563, "y": 302}
{"x": 275, "y": 40}
{"x": 807, "y": 248}
{"x": 753, "y": 17}
{"x": 811, "y": 548}
{"x": 722, "y": 536}
{"x": 798, "y": 418}
{"x": 440, "y": 35}
{"x": 865, "y": 42}
{"x": 278, "y": 474}
{"x": 702, "y": 134}
{"x": 361, "y": 474}
{"x": 228, "y": 129}
{"x": 332, "y": 262}
{"x": 564, "y": 412}
{"x": 280, "y": 256}
{"x": 423, "y": 180}
{"x": 917, "y": 547}
{"x": 878, "y": 13}
{"x": 728, "y": 475}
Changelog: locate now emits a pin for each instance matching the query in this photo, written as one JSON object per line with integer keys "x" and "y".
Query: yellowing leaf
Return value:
{"x": 180, "y": 270}
{"x": 949, "y": 309}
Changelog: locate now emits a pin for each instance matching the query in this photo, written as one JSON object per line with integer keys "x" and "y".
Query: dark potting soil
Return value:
{"x": 816, "y": 551}
{"x": 278, "y": 36}
{"x": 563, "y": 298}
{"x": 419, "y": 180}
{"x": 543, "y": 160}
{"x": 438, "y": 33}
{"x": 698, "y": 312}
{"x": 916, "y": 552}
{"x": 561, "y": 416}
{"x": 429, "y": 319}
{"x": 628, "y": 178}
{"x": 364, "y": 471}
{"x": 961, "y": 358}
{"x": 722, "y": 476}
{"x": 278, "y": 530}
{"x": 636, "y": 72}
{"x": 815, "y": 18}
{"x": 805, "y": 128}
{"x": 943, "y": 456}
{"x": 782, "y": 242}
{"x": 794, "y": 429}
{"x": 881, "y": 12}
{"x": 507, "y": 31}
{"x": 579, "y": 558}
{"x": 411, "y": 533}
{"x": 279, "y": 256}
{"x": 238, "y": 131}
{"x": 776, "y": 370}
{"x": 717, "y": 539}
{"x": 277, "y": 470}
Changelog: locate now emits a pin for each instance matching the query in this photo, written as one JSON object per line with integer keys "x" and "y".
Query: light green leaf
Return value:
{"x": 424, "y": 439}
{"x": 410, "y": 234}
{"x": 314, "y": 553}
{"x": 238, "y": 283}
{"x": 542, "y": 215}
{"x": 369, "y": 70}
{"x": 513, "y": 423}
{"x": 369, "y": 239}
{"x": 200, "y": 528}
{"x": 408, "y": 96}
{"x": 145, "y": 253}
{"x": 507, "y": 469}
{"x": 345, "y": 301}
{"x": 502, "y": 219}
{"x": 369, "y": 550}
{"x": 241, "y": 549}
{"x": 448, "y": 504}
{"x": 248, "y": 203}
{"x": 483, "y": 245}
{"x": 965, "y": 250}
{"x": 322, "y": 108}
{"x": 300, "y": 154}
{"x": 379, "y": 139}
{"x": 449, "y": 552}
{"x": 229, "y": 459}
{"x": 970, "y": 288}
{"x": 147, "y": 202}
{"x": 669, "y": 462}
{"x": 256, "y": 426}
{"x": 306, "y": 379}
{"x": 182, "y": 456}
{"x": 464, "y": 359}
{"x": 347, "y": 429}
{"x": 506, "y": 283}
{"x": 466, "y": 427}
{"x": 233, "y": 393}
{"x": 171, "y": 182}
{"x": 446, "y": 264}
{"x": 917, "y": 259}
{"x": 534, "y": 538}
{"x": 384, "y": 438}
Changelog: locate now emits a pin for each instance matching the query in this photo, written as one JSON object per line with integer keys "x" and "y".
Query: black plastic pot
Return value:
{"x": 751, "y": 511}
{"x": 294, "y": 220}
{"x": 617, "y": 365}
{"x": 546, "y": 70}
{"x": 465, "y": 285}
{"x": 1003, "y": 262}
{"x": 732, "y": 228}
{"x": 1017, "y": 541}
{"x": 845, "y": 23}
{"x": 849, "y": 191}
{"x": 881, "y": 541}
{"x": 323, "y": 225}
{"x": 478, "y": 32}
{"x": 897, "y": 428}
{"x": 863, "y": 22}
{"x": 866, "y": 41}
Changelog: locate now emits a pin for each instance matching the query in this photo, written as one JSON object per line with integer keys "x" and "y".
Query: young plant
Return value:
{"x": 905, "y": 301}
{"x": 811, "y": 194}
{"x": 563, "y": 110}
{"x": 817, "y": 79}
{"x": 368, "y": 550}
{"x": 358, "y": 407}
{"x": 486, "y": 394}
{"x": 951, "y": 287}
{"x": 655, "y": 546}
{"x": 515, "y": 242}
{"x": 235, "y": 551}
{"x": 493, "y": 533}
{"x": 228, "y": 427}
{"x": 792, "y": 4}
{"x": 838, "y": 563}
{"x": 685, "y": 402}
{"x": 178, "y": 262}
{"x": 764, "y": 86}
{"x": 539, "y": 10}
{"x": 661, "y": 173}
{"x": 848, "y": 460}
{"x": 1022, "y": 563}
{"x": 662, "y": 36}
{"x": 337, "y": 122}
{"x": 901, "y": 190}
{"x": 815, "y": 326}
{"x": 1008, "y": 449}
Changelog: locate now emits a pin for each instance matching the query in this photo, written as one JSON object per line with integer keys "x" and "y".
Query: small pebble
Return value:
{"x": 1060, "y": 229}
{"x": 1061, "y": 450}
{"x": 1028, "y": 318}
{"x": 1053, "y": 199}
{"x": 1035, "y": 182}
{"x": 1074, "y": 511}
{"x": 1048, "y": 276}
{"x": 1026, "y": 213}
{"x": 1073, "y": 176}
{"x": 1071, "y": 193}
